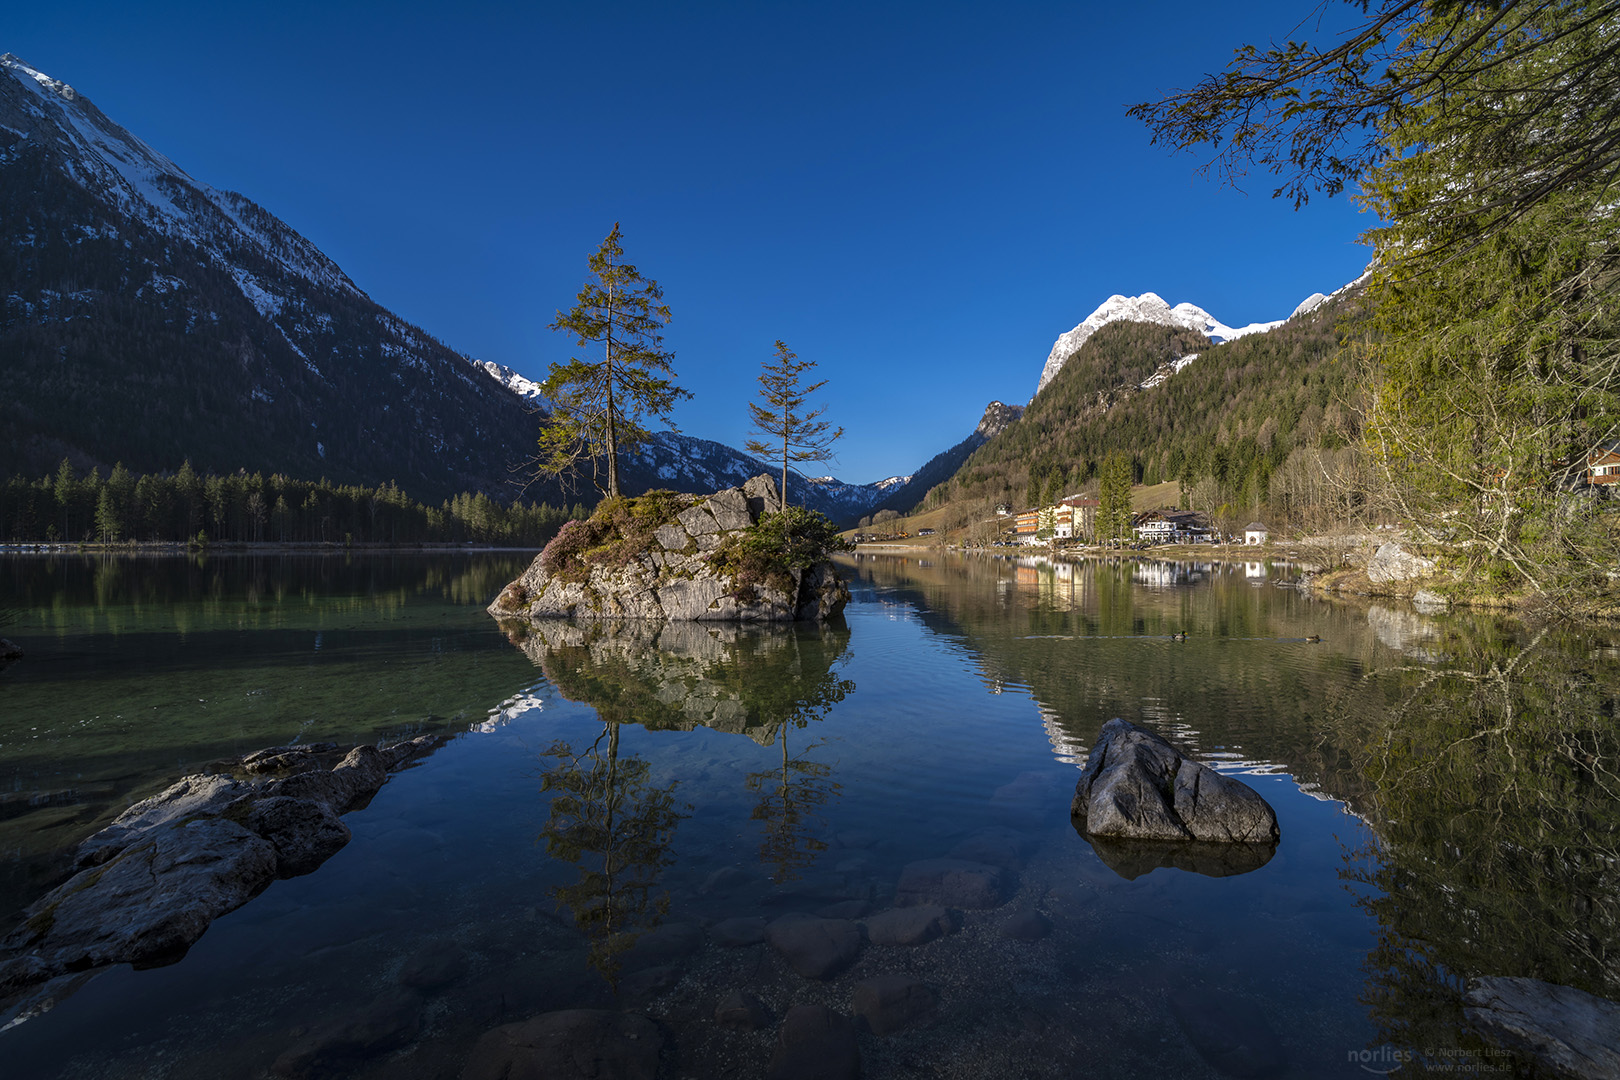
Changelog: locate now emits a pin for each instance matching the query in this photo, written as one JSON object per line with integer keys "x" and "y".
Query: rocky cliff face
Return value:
{"x": 674, "y": 576}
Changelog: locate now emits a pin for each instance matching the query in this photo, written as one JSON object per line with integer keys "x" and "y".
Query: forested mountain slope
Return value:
{"x": 1239, "y": 415}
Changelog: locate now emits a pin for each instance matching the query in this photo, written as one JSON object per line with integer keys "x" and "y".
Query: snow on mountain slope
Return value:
{"x": 145, "y": 185}
{"x": 523, "y": 387}
{"x": 1150, "y": 308}
{"x": 149, "y": 318}
{"x": 686, "y": 463}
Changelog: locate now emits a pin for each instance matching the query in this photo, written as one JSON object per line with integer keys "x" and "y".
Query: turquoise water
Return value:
{"x": 767, "y": 771}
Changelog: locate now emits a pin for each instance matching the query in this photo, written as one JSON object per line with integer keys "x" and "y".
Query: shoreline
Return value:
{"x": 1336, "y": 568}
{"x": 152, "y": 547}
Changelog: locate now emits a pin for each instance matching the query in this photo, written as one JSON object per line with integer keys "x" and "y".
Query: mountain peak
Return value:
{"x": 996, "y": 418}
{"x": 28, "y": 71}
{"x": 1149, "y": 308}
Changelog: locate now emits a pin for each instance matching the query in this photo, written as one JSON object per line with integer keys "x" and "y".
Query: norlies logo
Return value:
{"x": 1383, "y": 1060}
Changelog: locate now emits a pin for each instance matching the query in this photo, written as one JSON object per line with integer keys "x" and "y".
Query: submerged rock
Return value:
{"x": 813, "y": 947}
{"x": 1137, "y": 786}
{"x": 673, "y": 578}
{"x": 573, "y": 1044}
{"x": 956, "y": 883}
{"x": 9, "y": 651}
{"x": 149, "y": 884}
{"x": 888, "y": 1003}
{"x": 1229, "y": 1033}
{"x": 1568, "y": 1031}
{"x": 815, "y": 1043}
{"x": 741, "y": 1011}
{"x": 910, "y": 925}
{"x": 386, "y": 1024}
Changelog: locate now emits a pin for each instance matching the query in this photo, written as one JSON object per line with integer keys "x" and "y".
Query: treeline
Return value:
{"x": 1257, "y": 427}
{"x": 190, "y": 507}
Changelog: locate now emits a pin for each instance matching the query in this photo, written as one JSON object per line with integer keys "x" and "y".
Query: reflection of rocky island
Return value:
{"x": 607, "y": 817}
{"x": 670, "y": 675}
{"x": 720, "y": 558}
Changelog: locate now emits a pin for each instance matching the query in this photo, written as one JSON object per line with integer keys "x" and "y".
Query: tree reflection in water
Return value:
{"x": 1495, "y": 792}
{"x": 607, "y": 815}
{"x": 788, "y": 807}
{"x": 610, "y": 820}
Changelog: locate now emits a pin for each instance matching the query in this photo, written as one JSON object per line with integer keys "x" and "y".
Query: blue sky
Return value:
{"x": 918, "y": 197}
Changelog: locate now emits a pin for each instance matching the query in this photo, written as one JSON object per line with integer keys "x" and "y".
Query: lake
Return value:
{"x": 612, "y": 797}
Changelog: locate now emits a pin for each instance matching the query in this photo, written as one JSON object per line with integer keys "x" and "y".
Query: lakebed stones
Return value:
{"x": 1229, "y": 1033}
{"x": 910, "y": 925}
{"x": 149, "y": 884}
{"x": 1026, "y": 925}
{"x": 741, "y": 1011}
{"x": 955, "y": 883}
{"x": 888, "y": 1003}
{"x": 386, "y": 1024}
{"x": 674, "y": 579}
{"x": 814, "y": 947}
{"x": 739, "y": 932}
{"x": 1136, "y": 786}
{"x": 571, "y": 1044}
{"x": 1568, "y": 1031}
{"x": 815, "y": 1043}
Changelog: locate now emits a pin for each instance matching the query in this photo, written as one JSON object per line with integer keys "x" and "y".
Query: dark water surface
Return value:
{"x": 1445, "y": 785}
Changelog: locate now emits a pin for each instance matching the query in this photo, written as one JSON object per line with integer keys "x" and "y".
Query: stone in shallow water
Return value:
{"x": 741, "y": 1011}
{"x": 574, "y": 1044}
{"x": 1136, "y": 786}
{"x": 433, "y": 966}
{"x": 1229, "y": 1033}
{"x": 305, "y": 833}
{"x": 1566, "y": 1030}
{"x": 845, "y": 909}
{"x": 995, "y": 845}
{"x": 386, "y": 1024}
{"x": 1026, "y": 925}
{"x": 815, "y": 1043}
{"x": 1030, "y": 799}
{"x": 888, "y": 1003}
{"x": 146, "y": 906}
{"x": 813, "y": 947}
{"x": 663, "y": 945}
{"x": 910, "y": 925}
{"x": 735, "y": 933}
{"x": 951, "y": 883}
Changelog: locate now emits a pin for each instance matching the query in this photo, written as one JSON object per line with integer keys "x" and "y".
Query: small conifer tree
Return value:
{"x": 795, "y": 436}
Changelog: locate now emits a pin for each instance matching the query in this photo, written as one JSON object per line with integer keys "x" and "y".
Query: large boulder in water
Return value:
{"x": 151, "y": 882}
{"x": 1137, "y": 786}
{"x": 661, "y": 556}
{"x": 1568, "y": 1031}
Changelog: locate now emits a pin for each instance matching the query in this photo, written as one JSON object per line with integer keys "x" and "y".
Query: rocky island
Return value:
{"x": 723, "y": 557}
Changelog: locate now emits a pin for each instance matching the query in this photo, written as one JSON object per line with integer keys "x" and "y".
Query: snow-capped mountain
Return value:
{"x": 1150, "y": 308}
{"x": 525, "y": 388}
{"x": 147, "y": 317}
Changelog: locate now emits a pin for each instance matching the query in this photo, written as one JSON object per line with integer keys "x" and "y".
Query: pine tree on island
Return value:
{"x": 795, "y": 437}
{"x": 598, "y": 405}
